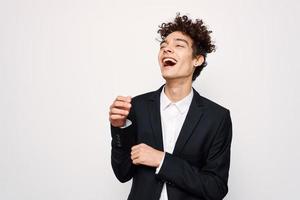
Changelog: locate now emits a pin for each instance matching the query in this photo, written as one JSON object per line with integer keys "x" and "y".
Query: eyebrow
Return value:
{"x": 164, "y": 41}
{"x": 176, "y": 39}
{"x": 182, "y": 40}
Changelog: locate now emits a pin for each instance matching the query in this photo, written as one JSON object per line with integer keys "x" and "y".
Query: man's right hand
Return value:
{"x": 119, "y": 111}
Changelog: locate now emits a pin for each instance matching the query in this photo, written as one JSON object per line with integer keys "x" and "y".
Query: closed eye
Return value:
{"x": 179, "y": 45}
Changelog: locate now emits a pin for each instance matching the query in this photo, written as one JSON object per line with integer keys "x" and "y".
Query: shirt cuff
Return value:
{"x": 127, "y": 123}
{"x": 161, "y": 162}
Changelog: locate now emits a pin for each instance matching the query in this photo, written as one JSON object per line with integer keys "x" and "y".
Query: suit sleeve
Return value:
{"x": 122, "y": 141}
{"x": 210, "y": 181}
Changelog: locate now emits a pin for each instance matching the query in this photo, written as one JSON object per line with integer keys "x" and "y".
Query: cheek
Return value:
{"x": 159, "y": 56}
{"x": 187, "y": 59}
{"x": 187, "y": 62}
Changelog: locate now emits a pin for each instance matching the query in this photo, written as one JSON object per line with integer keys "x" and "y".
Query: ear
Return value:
{"x": 198, "y": 60}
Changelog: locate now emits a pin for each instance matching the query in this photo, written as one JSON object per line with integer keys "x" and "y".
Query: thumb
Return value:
{"x": 128, "y": 99}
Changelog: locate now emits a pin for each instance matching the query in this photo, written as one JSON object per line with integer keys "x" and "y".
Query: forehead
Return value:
{"x": 178, "y": 35}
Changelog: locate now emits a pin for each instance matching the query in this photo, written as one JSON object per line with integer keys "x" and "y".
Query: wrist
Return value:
{"x": 159, "y": 158}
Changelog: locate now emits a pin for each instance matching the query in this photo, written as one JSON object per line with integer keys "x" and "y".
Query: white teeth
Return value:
{"x": 169, "y": 59}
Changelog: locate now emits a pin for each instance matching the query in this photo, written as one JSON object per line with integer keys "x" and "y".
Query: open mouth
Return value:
{"x": 169, "y": 62}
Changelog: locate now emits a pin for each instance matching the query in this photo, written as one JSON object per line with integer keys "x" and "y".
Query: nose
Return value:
{"x": 167, "y": 49}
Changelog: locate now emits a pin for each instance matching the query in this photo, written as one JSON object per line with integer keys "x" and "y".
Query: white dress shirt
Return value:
{"x": 172, "y": 118}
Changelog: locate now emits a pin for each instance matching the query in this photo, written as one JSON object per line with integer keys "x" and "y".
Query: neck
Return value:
{"x": 176, "y": 90}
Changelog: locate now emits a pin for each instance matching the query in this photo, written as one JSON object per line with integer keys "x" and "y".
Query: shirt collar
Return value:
{"x": 181, "y": 105}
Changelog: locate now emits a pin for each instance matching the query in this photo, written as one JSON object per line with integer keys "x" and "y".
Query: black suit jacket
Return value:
{"x": 199, "y": 165}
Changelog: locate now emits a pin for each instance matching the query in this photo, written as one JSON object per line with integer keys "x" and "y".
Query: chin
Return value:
{"x": 168, "y": 77}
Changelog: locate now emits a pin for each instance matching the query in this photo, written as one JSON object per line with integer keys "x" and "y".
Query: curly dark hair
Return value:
{"x": 197, "y": 31}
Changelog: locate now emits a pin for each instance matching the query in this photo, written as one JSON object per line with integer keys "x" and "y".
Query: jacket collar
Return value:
{"x": 182, "y": 105}
{"x": 194, "y": 114}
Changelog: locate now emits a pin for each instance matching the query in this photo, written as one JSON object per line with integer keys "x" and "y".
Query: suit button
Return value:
{"x": 118, "y": 143}
{"x": 118, "y": 139}
{"x": 170, "y": 183}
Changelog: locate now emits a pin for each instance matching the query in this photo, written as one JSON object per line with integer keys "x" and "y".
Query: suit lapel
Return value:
{"x": 192, "y": 118}
{"x": 194, "y": 114}
{"x": 155, "y": 118}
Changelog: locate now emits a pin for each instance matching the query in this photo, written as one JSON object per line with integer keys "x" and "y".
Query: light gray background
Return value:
{"x": 63, "y": 62}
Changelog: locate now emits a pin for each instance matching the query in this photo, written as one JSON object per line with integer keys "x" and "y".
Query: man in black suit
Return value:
{"x": 173, "y": 143}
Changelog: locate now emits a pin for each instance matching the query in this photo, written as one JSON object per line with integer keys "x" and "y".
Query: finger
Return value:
{"x": 135, "y": 147}
{"x": 128, "y": 99}
{"x": 135, "y": 152}
{"x": 143, "y": 145}
{"x": 116, "y": 117}
{"x": 123, "y": 98}
{"x": 139, "y": 146}
{"x": 134, "y": 156}
{"x": 122, "y": 104}
{"x": 136, "y": 162}
{"x": 117, "y": 111}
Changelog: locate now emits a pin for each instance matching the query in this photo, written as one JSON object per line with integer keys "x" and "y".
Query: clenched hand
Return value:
{"x": 119, "y": 111}
{"x": 143, "y": 154}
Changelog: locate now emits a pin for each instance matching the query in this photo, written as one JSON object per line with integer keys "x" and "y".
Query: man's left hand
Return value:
{"x": 143, "y": 154}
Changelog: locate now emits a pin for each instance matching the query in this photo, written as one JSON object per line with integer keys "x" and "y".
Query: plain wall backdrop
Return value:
{"x": 63, "y": 62}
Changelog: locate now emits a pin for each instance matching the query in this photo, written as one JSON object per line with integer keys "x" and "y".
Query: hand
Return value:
{"x": 119, "y": 111}
{"x": 145, "y": 155}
